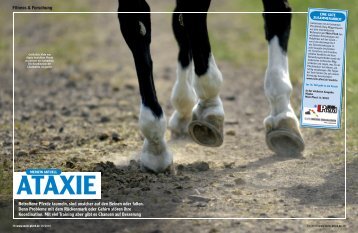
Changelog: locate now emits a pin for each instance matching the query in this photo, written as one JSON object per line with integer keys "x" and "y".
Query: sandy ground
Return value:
{"x": 83, "y": 117}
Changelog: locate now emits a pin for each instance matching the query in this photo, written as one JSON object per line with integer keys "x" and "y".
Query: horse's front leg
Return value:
{"x": 136, "y": 30}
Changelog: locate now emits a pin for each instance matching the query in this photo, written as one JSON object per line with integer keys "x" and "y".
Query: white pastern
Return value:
{"x": 155, "y": 155}
{"x": 208, "y": 107}
{"x": 272, "y": 122}
{"x": 278, "y": 86}
{"x": 208, "y": 86}
{"x": 183, "y": 99}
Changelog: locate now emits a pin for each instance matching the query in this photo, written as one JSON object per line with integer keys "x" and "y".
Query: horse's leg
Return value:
{"x": 282, "y": 128}
{"x": 206, "y": 127}
{"x": 136, "y": 30}
{"x": 183, "y": 96}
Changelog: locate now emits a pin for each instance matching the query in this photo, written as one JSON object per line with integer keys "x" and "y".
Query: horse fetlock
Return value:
{"x": 152, "y": 127}
{"x": 207, "y": 86}
{"x": 183, "y": 99}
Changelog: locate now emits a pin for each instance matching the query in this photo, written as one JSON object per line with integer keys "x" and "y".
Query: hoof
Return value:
{"x": 169, "y": 170}
{"x": 155, "y": 157}
{"x": 285, "y": 140}
{"x": 208, "y": 132}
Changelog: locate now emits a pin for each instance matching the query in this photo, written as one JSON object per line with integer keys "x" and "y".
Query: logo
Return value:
{"x": 326, "y": 108}
{"x": 311, "y": 111}
{"x": 54, "y": 184}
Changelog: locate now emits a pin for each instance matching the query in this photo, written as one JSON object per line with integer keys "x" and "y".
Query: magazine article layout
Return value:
{"x": 178, "y": 116}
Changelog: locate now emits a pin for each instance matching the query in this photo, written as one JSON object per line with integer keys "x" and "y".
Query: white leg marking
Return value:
{"x": 207, "y": 88}
{"x": 208, "y": 85}
{"x": 183, "y": 99}
{"x": 278, "y": 86}
{"x": 155, "y": 154}
{"x": 212, "y": 106}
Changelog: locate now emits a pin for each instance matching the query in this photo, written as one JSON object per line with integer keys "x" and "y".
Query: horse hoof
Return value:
{"x": 155, "y": 156}
{"x": 169, "y": 170}
{"x": 208, "y": 132}
{"x": 285, "y": 140}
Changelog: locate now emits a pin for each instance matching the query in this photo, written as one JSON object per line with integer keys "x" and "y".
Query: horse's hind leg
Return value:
{"x": 282, "y": 129}
{"x": 136, "y": 30}
{"x": 206, "y": 127}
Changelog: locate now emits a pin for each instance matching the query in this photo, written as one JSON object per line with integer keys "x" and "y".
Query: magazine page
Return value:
{"x": 178, "y": 116}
